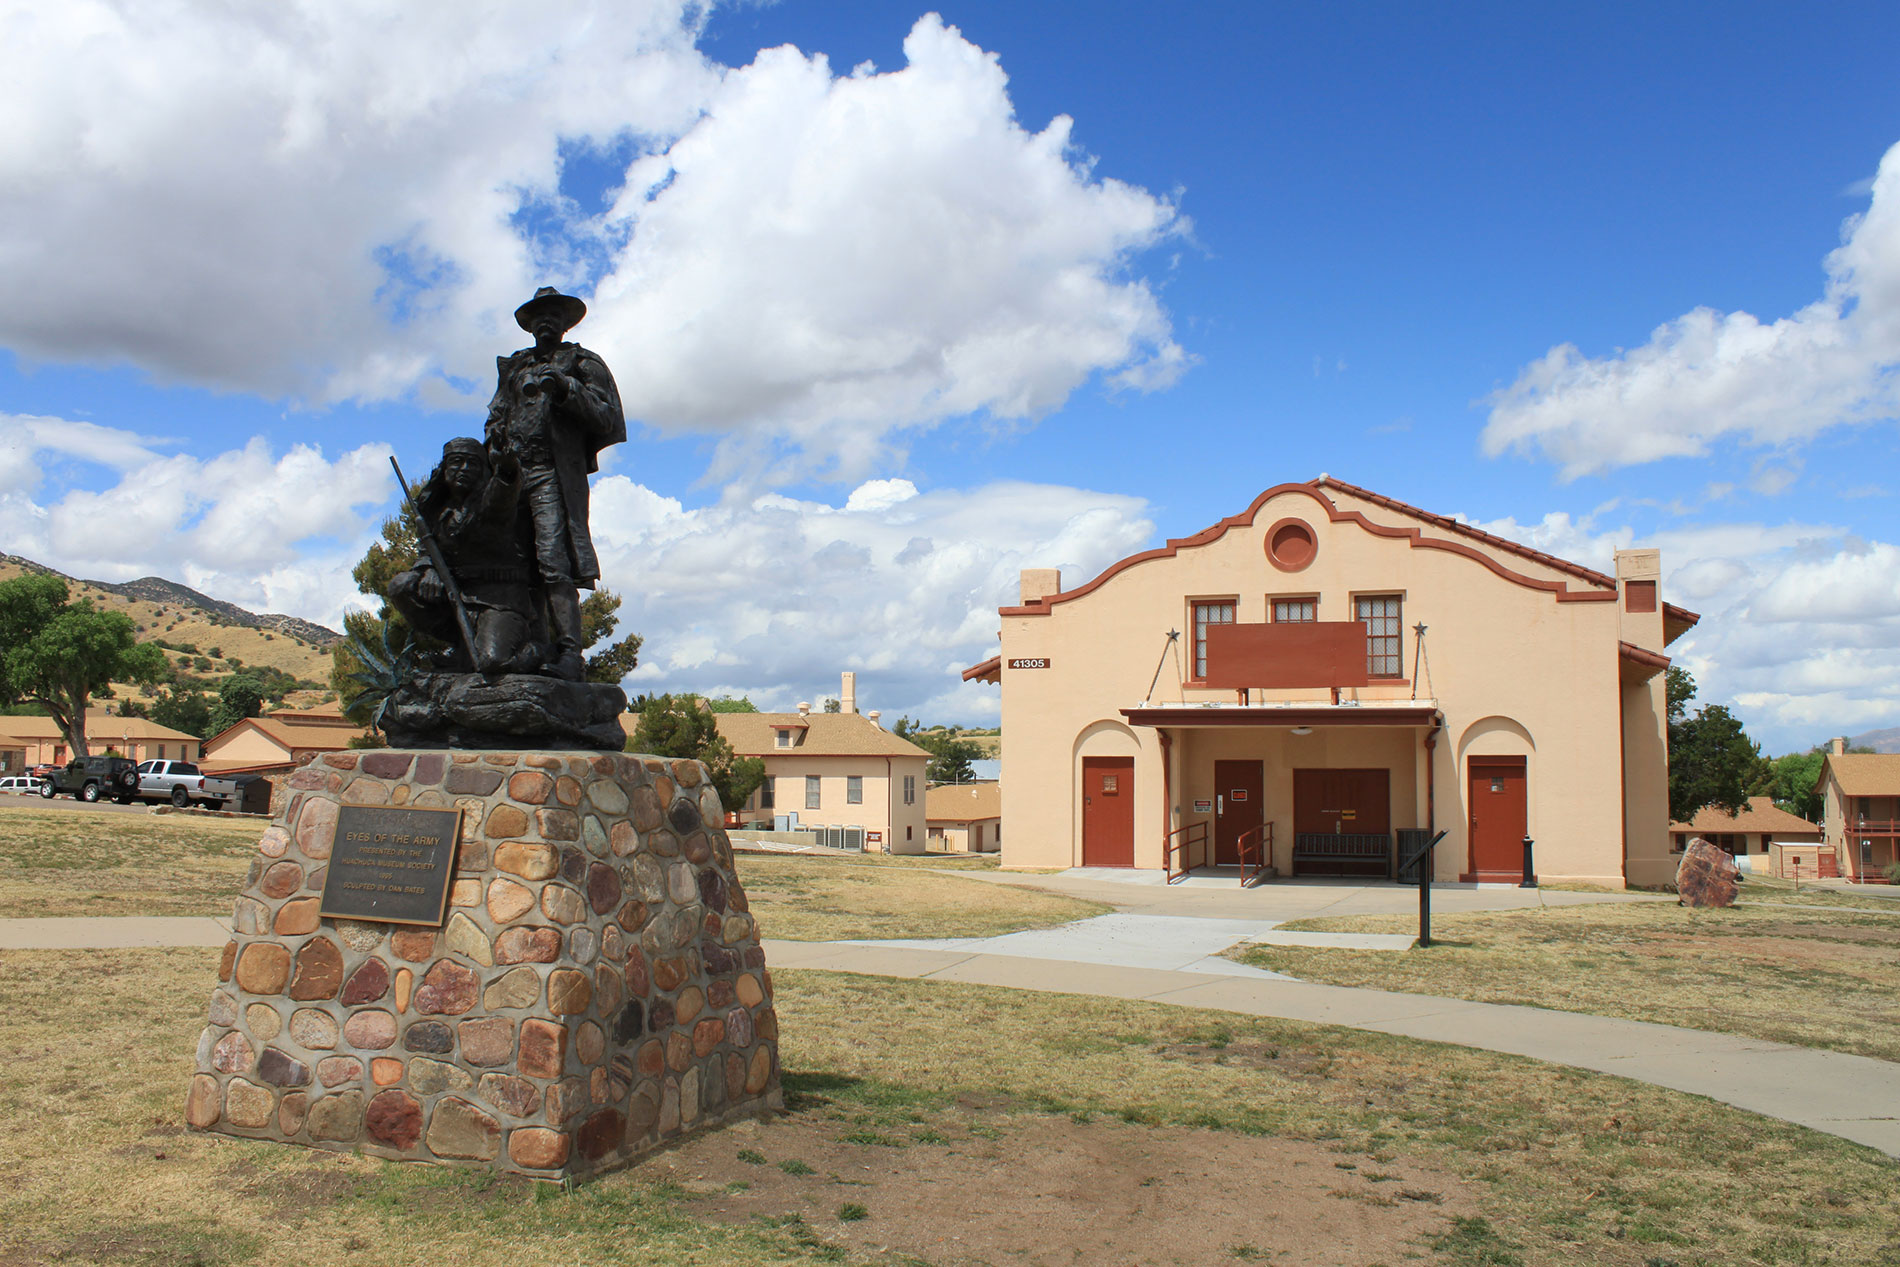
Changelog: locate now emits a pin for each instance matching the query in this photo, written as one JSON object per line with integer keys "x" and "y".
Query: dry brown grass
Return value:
{"x": 828, "y": 899}
{"x": 1568, "y": 1167}
{"x": 72, "y": 861}
{"x": 1816, "y": 977}
{"x": 78, "y": 862}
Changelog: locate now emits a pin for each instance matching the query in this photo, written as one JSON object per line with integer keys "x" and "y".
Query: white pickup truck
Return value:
{"x": 181, "y": 783}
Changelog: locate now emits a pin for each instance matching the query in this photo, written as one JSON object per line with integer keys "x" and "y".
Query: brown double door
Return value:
{"x": 1108, "y": 811}
{"x": 1353, "y": 809}
{"x": 1499, "y": 819}
{"x": 1239, "y": 788}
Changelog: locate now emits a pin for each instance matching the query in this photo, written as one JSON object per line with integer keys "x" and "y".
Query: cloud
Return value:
{"x": 269, "y": 531}
{"x": 308, "y": 199}
{"x": 774, "y": 597}
{"x": 1708, "y": 375}
{"x": 833, "y": 259}
{"x": 320, "y": 202}
{"x": 1800, "y": 628}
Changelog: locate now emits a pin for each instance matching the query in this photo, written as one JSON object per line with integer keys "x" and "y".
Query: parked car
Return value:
{"x": 182, "y": 783}
{"x": 90, "y": 778}
{"x": 21, "y": 785}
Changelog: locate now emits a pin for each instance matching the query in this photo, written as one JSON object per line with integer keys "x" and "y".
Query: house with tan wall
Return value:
{"x": 277, "y": 742}
{"x": 964, "y": 817}
{"x": 1330, "y": 671}
{"x": 41, "y": 741}
{"x": 839, "y": 769}
{"x": 1860, "y": 811}
{"x": 1752, "y": 831}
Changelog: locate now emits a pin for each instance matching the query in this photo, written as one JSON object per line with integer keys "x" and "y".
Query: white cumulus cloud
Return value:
{"x": 1707, "y": 374}
{"x": 832, "y": 258}
{"x": 775, "y": 597}
{"x": 324, "y": 201}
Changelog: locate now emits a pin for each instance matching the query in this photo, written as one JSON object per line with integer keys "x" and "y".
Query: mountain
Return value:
{"x": 1887, "y": 740}
{"x": 204, "y": 637}
{"x": 161, "y": 592}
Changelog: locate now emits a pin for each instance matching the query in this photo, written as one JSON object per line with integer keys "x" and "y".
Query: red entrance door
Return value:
{"x": 1238, "y": 788}
{"x": 1498, "y": 818}
{"x": 1108, "y": 811}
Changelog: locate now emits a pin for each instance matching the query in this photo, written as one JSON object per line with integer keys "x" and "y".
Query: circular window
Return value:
{"x": 1290, "y": 545}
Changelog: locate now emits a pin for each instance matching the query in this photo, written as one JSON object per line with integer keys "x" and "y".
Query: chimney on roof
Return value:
{"x": 848, "y": 692}
{"x": 804, "y": 708}
{"x": 1039, "y": 583}
{"x": 1838, "y": 745}
{"x": 874, "y": 714}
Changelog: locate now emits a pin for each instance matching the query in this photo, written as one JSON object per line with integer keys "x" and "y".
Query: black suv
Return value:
{"x": 89, "y": 778}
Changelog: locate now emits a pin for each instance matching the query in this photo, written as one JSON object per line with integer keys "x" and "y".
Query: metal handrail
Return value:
{"x": 1258, "y": 842}
{"x": 1176, "y": 843}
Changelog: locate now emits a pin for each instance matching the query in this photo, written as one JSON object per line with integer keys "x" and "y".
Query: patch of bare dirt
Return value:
{"x": 991, "y": 1188}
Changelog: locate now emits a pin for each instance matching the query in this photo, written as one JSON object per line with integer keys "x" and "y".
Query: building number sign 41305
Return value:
{"x": 1030, "y": 662}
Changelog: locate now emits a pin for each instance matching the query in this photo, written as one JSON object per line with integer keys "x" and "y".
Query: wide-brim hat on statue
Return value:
{"x": 564, "y": 308}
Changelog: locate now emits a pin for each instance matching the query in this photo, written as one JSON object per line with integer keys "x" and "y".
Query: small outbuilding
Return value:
{"x": 1752, "y": 831}
{"x": 964, "y": 817}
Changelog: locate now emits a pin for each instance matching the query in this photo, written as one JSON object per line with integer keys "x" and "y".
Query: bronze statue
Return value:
{"x": 506, "y": 553}
{"x": 472, "y": 508}
{"x": 555, "y": 409}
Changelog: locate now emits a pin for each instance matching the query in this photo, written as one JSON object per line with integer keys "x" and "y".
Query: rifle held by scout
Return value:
{"x": 429, "y": 547}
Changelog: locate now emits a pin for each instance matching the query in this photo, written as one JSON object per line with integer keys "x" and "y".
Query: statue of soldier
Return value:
{"x": 555, "y": 409}
{"x": 473, "y": 507}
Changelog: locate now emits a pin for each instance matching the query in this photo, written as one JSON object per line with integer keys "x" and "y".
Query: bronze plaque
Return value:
{"x": 392, "y": 865}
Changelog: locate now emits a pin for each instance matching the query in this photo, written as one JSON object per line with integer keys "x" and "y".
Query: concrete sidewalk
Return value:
{"x": 1854, "y": 1097}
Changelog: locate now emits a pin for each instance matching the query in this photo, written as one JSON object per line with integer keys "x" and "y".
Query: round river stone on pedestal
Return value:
{"x": 597, "y": 988}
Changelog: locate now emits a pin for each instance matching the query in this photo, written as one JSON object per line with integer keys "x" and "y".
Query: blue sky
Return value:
{"x": 887, "y": 334}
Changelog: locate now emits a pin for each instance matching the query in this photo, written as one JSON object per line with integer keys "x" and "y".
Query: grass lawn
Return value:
{"x": 1814, "y": 976}
{"x": 58, "y": 862}
{"x": 895, "y": 1089}
{"x": 72, "y": 862}
{"x": 881, "y": 896}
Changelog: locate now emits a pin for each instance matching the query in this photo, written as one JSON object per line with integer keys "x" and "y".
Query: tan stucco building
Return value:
{"x": 277, "y": 742}
{"x": 1860, "y": 811}
{"x": 1325, "y": 672}
{"x": 1752, "y": 831}
{"x": 40, "y": 741}
{"x": 839, "y": 769}
{"x": 964, "y": 817}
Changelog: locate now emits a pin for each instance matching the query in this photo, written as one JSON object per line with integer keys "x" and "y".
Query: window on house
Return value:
{"x": 1639, "y": 596}
{"x": 811, "y": 791}
{"x": 766, "y": 795}
{"x": 854, "y": 789}
{"x": 907, "y": 831}
{"x": 784, "y": 738}
{"x": 1381, "y": 616}
{"x": 910, "y": 789}
{"x": 1295, "y": 611}
{"x": 1206, "y": 614}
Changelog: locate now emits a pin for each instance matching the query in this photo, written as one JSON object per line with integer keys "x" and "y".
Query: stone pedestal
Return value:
{"x": 596, "y": 991}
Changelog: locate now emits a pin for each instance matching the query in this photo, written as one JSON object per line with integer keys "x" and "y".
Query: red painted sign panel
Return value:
{"x": 1311, "y": 653}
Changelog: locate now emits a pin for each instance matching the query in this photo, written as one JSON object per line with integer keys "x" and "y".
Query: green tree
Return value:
{"x": 1711, "y": 758}
{"x": 189, "y": 711}
{"x": 683, "y": 726}
{"x": 239, "y": 696}
{"x": 59, "y": 653}
{"x": 833, "y": 706}
{"x": 950, "y": 757}
{"x": 732, "y": 704}
{"x": 1789, "y": 781}
{"x": 598, "y": 621}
